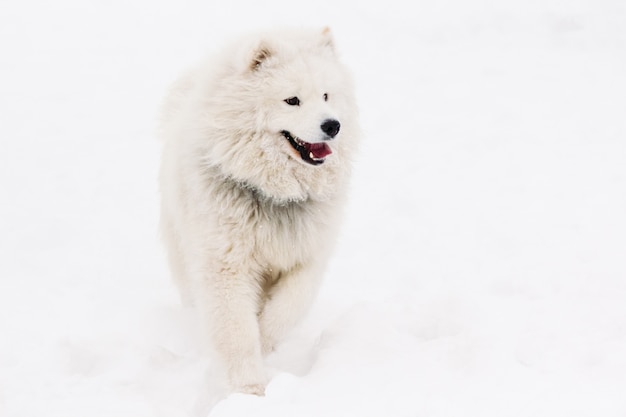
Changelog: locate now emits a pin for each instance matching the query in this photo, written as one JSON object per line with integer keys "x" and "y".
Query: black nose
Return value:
{"x": 330, "y": 127}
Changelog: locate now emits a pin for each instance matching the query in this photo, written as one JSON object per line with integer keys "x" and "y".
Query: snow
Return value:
{"x": 481, "y": 270}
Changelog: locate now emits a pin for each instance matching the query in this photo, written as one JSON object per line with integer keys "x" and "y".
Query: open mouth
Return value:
{"x": 313, "y": 153}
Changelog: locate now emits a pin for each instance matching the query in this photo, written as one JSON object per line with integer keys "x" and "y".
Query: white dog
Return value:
{"x": 256, "y": 159}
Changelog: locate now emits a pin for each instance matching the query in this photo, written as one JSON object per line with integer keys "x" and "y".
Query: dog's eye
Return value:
{"x": 293, "y": 101}
{"x": 325, "y": 96}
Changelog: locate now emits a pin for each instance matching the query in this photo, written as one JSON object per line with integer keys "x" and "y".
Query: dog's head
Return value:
{"x": 291, "y": 103}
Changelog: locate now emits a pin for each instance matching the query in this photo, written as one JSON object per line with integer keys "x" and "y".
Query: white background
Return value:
{"x": 482, "y": 267}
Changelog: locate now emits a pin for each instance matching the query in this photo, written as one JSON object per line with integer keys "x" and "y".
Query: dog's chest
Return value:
{"x": 286, "y": 235}
{"x": 273, "y": 235}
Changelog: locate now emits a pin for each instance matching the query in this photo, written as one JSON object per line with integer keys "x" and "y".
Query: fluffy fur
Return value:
{"x": 250, "y": 199}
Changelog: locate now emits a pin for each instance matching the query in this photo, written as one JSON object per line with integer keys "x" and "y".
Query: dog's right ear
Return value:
{"x": 327, "y": 40}
{"x": 259, "y": 56}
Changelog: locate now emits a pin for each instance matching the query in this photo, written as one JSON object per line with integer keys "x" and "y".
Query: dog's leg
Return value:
{"x": 176, "y": 260}
{"x": 232, "y": 311}
{"x": 288, "y": 300}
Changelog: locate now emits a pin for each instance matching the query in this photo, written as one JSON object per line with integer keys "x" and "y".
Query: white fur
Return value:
{"x": 248, "y": 224}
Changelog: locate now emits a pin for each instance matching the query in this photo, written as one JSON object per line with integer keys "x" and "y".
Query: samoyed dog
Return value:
{"x": 256, "y": 158}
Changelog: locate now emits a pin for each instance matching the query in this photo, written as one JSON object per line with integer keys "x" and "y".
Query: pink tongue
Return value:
{"x": 319, "y": 150}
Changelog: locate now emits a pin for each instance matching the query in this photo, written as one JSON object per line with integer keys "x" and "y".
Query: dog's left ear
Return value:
{"x": 326, "y": 40}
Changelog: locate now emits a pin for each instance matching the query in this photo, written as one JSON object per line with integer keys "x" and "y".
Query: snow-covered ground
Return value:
{"x": 482, "y": 267}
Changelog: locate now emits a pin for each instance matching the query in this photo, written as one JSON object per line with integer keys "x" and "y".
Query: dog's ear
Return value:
{"x": 327, "y": 40}
{"x": 259, "y": 55}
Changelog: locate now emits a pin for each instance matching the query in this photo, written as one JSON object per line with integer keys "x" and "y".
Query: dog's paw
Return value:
{"x": 253, "y": 389}
{"x": 248, "y": 383}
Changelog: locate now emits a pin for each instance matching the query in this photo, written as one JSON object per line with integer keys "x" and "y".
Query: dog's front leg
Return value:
{"x": 233, "y": 314}
{"x": 287, "y": 301}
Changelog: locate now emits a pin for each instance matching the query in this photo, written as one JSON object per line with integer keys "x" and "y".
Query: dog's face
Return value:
{"x": 304, "y": 100}
{"x": 306, "y": 119}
